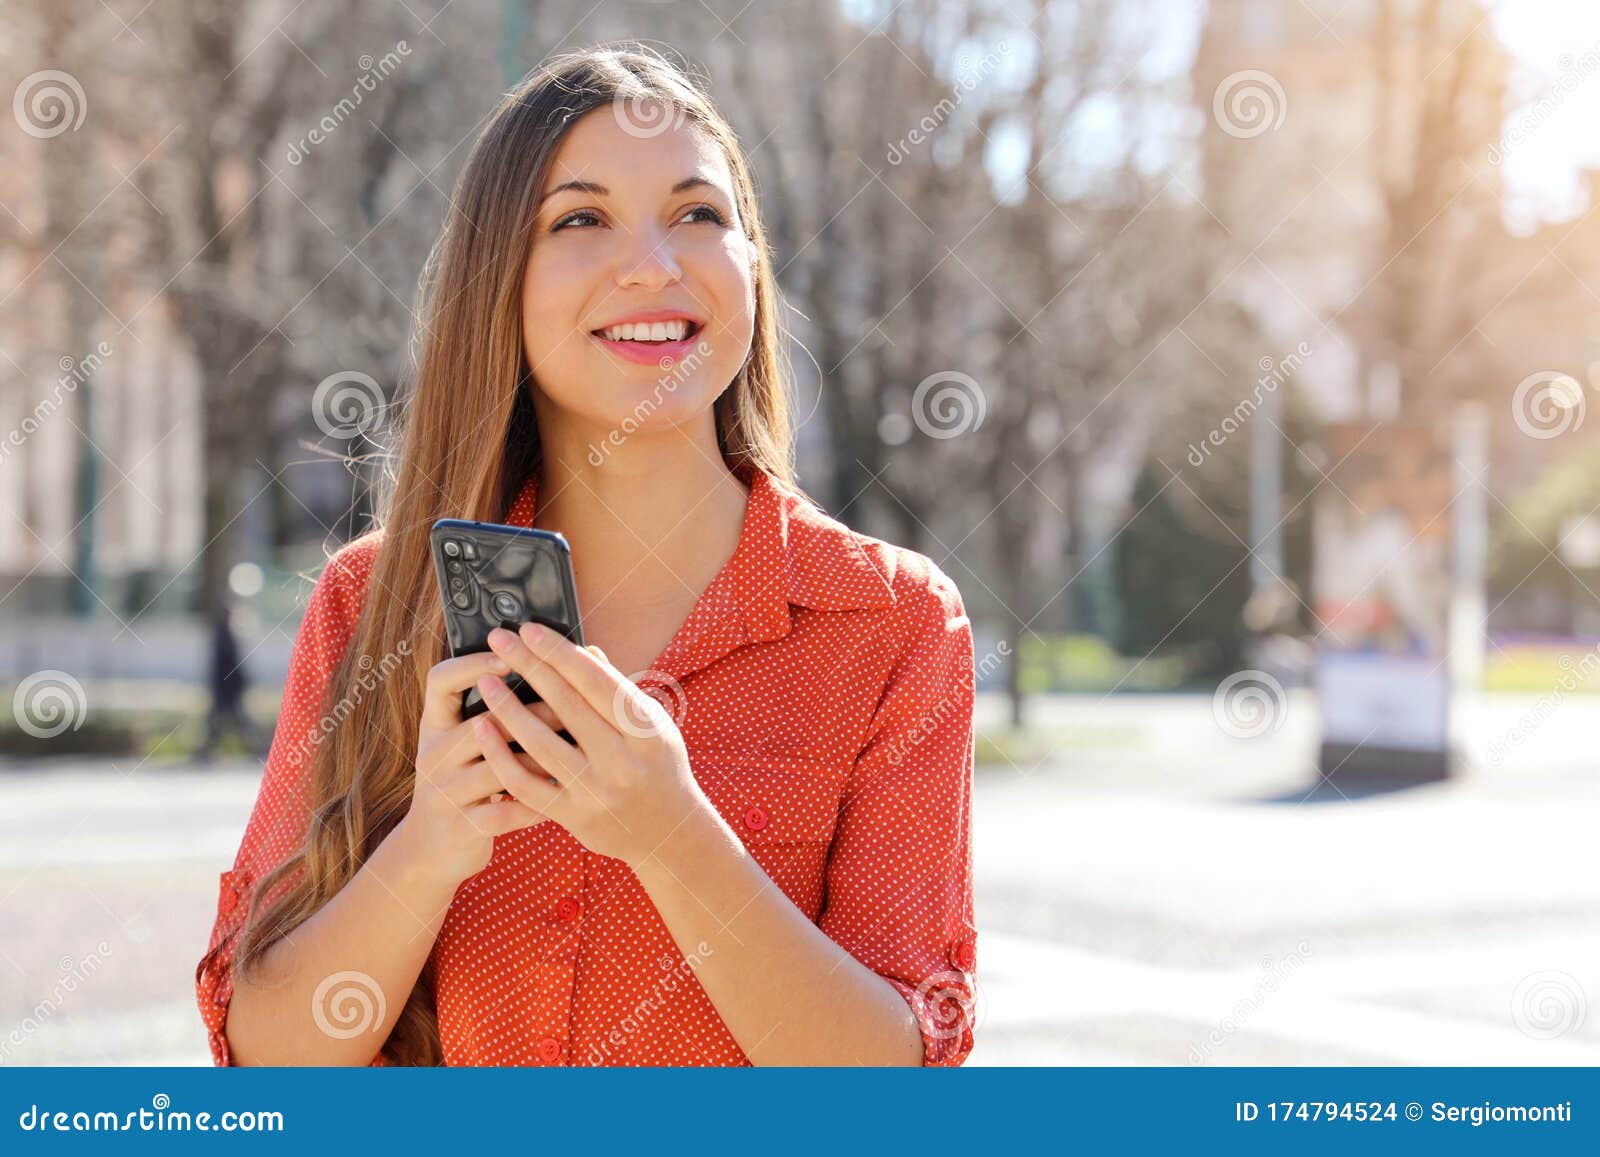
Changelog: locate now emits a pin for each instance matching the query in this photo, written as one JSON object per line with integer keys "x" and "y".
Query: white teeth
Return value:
{"x": 659, "y": 331}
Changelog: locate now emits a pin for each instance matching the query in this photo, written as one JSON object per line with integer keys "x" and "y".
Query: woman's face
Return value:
{"x": 637, "y": 239}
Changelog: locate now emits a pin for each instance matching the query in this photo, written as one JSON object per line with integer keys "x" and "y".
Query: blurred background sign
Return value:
{"x": 1382, "y": 586}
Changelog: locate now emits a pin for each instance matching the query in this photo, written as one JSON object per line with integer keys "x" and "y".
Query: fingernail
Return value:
{"x": 532, "y": 631}
{"x": 500, "y": 637}
{"x": 490, "y": 687}
{"x": 499, "y": 666}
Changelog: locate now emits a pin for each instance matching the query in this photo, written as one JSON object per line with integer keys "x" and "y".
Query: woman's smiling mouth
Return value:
{"x": 649, "y": 331}
{"x": 650, "y": 336}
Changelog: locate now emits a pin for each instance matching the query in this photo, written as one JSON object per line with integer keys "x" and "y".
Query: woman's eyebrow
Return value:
{"x": 595, "y": 189}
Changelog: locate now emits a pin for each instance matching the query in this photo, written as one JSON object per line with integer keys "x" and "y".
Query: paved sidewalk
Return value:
{"x": 1154, "y": 892}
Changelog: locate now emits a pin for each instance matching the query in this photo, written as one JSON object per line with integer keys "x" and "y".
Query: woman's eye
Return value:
{"x": 587, "y": 217}
{"x": 581, "y": 216}
{"x": 711, "y": 214}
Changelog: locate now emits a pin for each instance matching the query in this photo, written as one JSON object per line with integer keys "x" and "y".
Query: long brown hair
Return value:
{"x": 467, "y": 442}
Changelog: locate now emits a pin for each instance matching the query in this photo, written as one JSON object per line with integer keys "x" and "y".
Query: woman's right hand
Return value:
{"x": 457, "y": 807}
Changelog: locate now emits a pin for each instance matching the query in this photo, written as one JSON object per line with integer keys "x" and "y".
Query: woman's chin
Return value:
{"x": 643, "y": 409}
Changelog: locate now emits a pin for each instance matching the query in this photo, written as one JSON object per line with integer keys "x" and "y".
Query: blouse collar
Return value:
{"x": 789, "y": 553}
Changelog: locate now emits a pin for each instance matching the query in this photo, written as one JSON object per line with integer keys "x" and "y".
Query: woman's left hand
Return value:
{"x": 626, "y": 785}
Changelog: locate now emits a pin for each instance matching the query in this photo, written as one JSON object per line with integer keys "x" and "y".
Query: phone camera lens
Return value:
{"x": 506, "y": 606}
{"x": 463, "y": 600}
{"x": 453, "y": 566}
{"x": 452, "y": 548}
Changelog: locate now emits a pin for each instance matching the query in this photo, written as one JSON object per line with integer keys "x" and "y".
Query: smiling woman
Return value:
{"x": 772, "y": 865}
{"x": 641, "y": 251}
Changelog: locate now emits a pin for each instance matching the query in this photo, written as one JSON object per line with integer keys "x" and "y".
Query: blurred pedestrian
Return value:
{"x": 227, "y": 683}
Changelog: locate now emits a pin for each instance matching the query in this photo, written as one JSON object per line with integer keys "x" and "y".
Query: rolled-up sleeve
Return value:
{"x": 281, "y": 815}
{"x": 899, "y": 880}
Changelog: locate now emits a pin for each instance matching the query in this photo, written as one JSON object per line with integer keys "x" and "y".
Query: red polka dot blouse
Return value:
{"x": 829, "y": 683}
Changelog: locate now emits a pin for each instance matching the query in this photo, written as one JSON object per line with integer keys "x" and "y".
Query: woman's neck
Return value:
{"x": 656, "y": 520}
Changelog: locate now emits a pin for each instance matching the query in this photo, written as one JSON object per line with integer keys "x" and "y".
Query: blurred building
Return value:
{"x": 100, "y": 447}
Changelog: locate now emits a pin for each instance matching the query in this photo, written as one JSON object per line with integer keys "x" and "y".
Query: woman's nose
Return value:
{"x": 649, "y": 261}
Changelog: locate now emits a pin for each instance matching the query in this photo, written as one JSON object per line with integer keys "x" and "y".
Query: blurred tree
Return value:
{"x": 1024, "y": 225}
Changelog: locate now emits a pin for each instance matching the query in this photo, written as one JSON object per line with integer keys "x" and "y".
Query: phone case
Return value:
{"x": 501, "y": 576}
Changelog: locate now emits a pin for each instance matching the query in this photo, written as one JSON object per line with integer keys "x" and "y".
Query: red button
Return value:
{"x": 754, "y": 818}
{"x": 963, "y": 955}
{"x": 567, "y": 909}
{"x": 549, "y": 1050}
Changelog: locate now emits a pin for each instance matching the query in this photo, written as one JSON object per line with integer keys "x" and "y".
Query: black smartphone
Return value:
{"x": 502, "y": 576}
